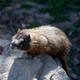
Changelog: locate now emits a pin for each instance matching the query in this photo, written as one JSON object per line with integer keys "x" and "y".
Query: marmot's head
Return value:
{"x": 20, "y": 41}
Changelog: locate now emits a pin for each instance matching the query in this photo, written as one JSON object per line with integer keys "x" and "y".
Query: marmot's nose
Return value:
{"x": 12, "y": 45}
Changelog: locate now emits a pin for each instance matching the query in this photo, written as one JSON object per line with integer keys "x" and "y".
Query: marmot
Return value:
{"x": 43, "y": 39}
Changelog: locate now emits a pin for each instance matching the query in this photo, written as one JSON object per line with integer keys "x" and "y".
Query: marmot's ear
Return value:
{"x": 18, "y": 30}
{"x": 28, "y": 37}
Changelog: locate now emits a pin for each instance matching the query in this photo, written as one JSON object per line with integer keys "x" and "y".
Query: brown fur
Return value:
{"x": 49, "y": 40}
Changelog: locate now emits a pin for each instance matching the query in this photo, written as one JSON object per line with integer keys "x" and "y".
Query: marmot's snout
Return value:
{"x": 13, "y": 45}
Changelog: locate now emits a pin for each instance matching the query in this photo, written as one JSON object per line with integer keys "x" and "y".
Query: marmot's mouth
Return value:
{"x": 11, "y": 47}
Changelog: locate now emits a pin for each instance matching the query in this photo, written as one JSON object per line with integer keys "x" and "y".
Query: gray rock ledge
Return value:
{"x": 13, "y": 66}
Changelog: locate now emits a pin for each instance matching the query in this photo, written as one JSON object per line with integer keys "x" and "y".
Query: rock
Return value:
{"x": 26, "y": 69}
{"x": 78, "y": 50}
{"x": 5, "y": 36}
{"x": 5, "y": 44}
{"x": 21, "y": 17}
{"x": 23, "y": 25}
{"x": 32, "y": 11}
{"x": 73, "y": 17}
{"x": 70, "y": 33}
{"x": 68, "y": 23}
{"x": 45, "y": 16}
{"x": 79, "y": 13}
{"x": 61, "y": 24}
{"x": 41, "y": 21}
{"x": 3, "y": 28}
{"x": 36, "y": 5}
{"x": 76, "y": 60}
{"x": 13, "y": 66}
{"x": 8, "y": 8}
{"x": 30, "y": 19}
{"x": 6, "y": 48}
{"x": 19, "y": 11}
{"x": 69, "y": 69}
{"x": 17, "y": 6}
{"x": 79, "y": 77}
{"x": 74, "y": 76}
{"x": 4, "y": 18}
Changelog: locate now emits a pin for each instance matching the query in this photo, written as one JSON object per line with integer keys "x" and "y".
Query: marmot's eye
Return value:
{"x": 21, "y": 43}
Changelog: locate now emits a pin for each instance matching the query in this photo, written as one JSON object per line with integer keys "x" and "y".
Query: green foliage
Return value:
{"x": 7, "y": 11}
{"x": 25, "y": 13}
{"x": 50, "y": 20}
{"x": 76, "y": 2}
{"x": 31, "y": 25}
{"x": 78, "y": 71}
{"x": 56, "y": 6}
{"x": 67, "y": 29}
{"x": 15, "y": 15}
{"x": 4, "y": 3}
{"x": 74, "y": 31}
{"x": 44, "y": 10}
{"x": 78, "y": 23}
{"x": 56, "y": 9}
{"x": 74, "y": 8}
{"x": 69, "y": 62}
{"x": 70, "y": 53}
{"x": 25, "y": 5}
{"x": 78, "y": 36}
{"x": 60, "y": 18}
{"x": 16, "y": 1}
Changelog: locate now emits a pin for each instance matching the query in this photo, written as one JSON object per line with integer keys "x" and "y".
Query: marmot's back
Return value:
{"x": 57, "y": 40}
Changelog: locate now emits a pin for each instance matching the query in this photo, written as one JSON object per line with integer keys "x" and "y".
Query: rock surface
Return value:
{"x": 13, "y": 66}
